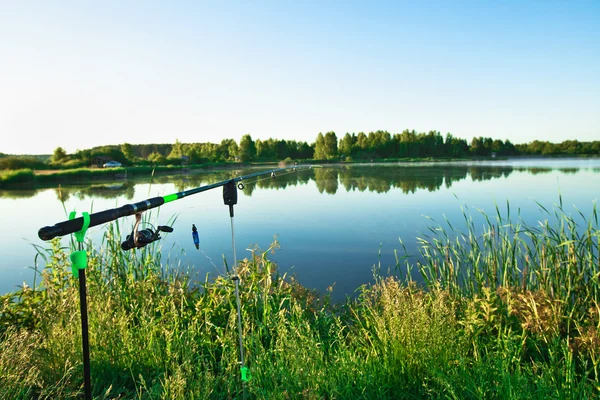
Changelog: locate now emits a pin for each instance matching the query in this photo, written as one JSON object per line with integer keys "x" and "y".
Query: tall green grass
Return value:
{"x": 510, "y": 313}
{"x": 18, "y": 175}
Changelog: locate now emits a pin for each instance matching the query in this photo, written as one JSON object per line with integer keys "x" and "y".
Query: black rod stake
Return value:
{"x": 87, "y": 382}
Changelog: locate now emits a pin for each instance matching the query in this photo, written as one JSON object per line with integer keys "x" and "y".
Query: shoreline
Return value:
{"x": 30, "y": 179}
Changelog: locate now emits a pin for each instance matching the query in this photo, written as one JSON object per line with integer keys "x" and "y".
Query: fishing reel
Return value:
{"x": 143, "y": 237}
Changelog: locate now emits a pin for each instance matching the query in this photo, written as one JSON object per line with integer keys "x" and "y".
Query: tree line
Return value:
{"x": 362, "y": 146}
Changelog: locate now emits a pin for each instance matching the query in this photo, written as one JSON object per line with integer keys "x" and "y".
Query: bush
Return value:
{"x": 14, "y": 162}
{"x": 16, "y": 176}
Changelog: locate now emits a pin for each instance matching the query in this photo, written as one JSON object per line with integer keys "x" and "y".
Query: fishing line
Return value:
{"x": 196, "y": 240}
{"x": 259, "y": 179}
{"x": 210, "y": 260}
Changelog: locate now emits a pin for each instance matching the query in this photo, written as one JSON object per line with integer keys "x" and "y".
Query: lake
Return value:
{"x": 333, "y": 223}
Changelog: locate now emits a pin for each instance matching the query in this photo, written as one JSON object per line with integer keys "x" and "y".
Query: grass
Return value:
{"x": 19, "y": 175}
{"x": 510, "y": 312}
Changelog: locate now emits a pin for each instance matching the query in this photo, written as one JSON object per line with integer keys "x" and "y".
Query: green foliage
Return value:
{"x": 346, "y": 143}
{"x": 21, "y": 162}
{"x": 247, "y": 148}
{"x": 497, "y": 317}
{"x": 128, "y": 152}
{"x": 378, "y": 145}
{"x": 276, "y": 150}
{"x": 567, "y": 147}
{"x": 326, "y": 147}
{"x": 330, "y": 145}
{"x": 18, "y": 176}
{"x": 177, "y": 151}
{"x": 59, "y": 156}
{"x": 156, "y": 158}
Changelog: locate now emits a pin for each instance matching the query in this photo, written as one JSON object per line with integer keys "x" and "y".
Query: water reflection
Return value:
{"x": 379, "y": 178}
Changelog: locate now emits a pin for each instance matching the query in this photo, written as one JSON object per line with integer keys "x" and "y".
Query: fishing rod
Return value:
{"x": 74, "y": 225}
{"x": 141, "y": 238}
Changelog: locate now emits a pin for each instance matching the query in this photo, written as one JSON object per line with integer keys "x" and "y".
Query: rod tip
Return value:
{"x": 49, "y": 232}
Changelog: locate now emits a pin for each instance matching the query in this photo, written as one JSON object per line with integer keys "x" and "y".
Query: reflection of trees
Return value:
{"x": 18, "y": 194}
{"x": 281, "y": 180}
{"x": 248, "y": 189}
{"x": 536, "y": 170}
{"x": 374, "y": 178}
{"x": 486, "y": 173}
{"x": 409, "y": 179}
{"x": 124, "y": 189}
{"x": 568, "y": 170}
{"x": 326, "y": 179}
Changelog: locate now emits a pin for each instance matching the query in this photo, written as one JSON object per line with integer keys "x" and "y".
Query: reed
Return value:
{"x": 508, "y": 312}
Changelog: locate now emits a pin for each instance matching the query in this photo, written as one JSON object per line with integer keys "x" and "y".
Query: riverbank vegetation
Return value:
{"x": 510, "y": 311}
{"x": 378, "y": 145}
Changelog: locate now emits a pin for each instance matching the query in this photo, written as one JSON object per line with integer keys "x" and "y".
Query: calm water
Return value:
{"x": 332, "y": 222}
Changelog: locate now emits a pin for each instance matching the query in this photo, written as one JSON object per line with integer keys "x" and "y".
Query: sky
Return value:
{"x": 79, "y": 74}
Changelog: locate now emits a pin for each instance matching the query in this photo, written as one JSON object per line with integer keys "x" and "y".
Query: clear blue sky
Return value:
{"x": 79, "y": 74}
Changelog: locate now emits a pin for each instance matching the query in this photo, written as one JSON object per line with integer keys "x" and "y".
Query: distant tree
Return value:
{"x": 247, "y": 148}
{"x": 283, "y": 149}
{"x": 233, "y": 149}
{"x": 497, "y": 146}
{"x": 227, "y": 150}
{"x": 85, "y": 156}
{"x": 509, "y": 149}
{"x": 177, "y": 151}
{"x": 112, "y": 152}
{"x": 320, "y": 153}
{"x": 19, "y": 162}
{"x": 306, "y": 151}
{"x": 331, "y": 145}
{"x": 362, "y": 141}
{"x": 210, "y": 151}
{"x": 380, "y": 144}
{"x": 478, "y": 146}
{"x": 156, "y": 158}
{"x": 536, "y": 147}
{"x": 345, "y": 147}
{"x": 127, "y": 151}
{"x": 59, "y": 156}
{"x": 550, "y": 149}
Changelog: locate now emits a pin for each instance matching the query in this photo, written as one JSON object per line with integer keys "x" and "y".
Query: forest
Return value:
{"x": 378, "y": 145}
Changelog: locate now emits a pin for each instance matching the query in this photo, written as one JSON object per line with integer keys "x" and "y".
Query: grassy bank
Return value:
{"x": 510, "y": 313}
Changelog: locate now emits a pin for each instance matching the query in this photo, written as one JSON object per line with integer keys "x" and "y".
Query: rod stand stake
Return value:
{"x": 79, "y": 258}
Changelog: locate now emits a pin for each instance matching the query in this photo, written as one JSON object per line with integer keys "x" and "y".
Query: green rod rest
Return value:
{"x": 245, "y": 374}
{"x": 79, "y": 258}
